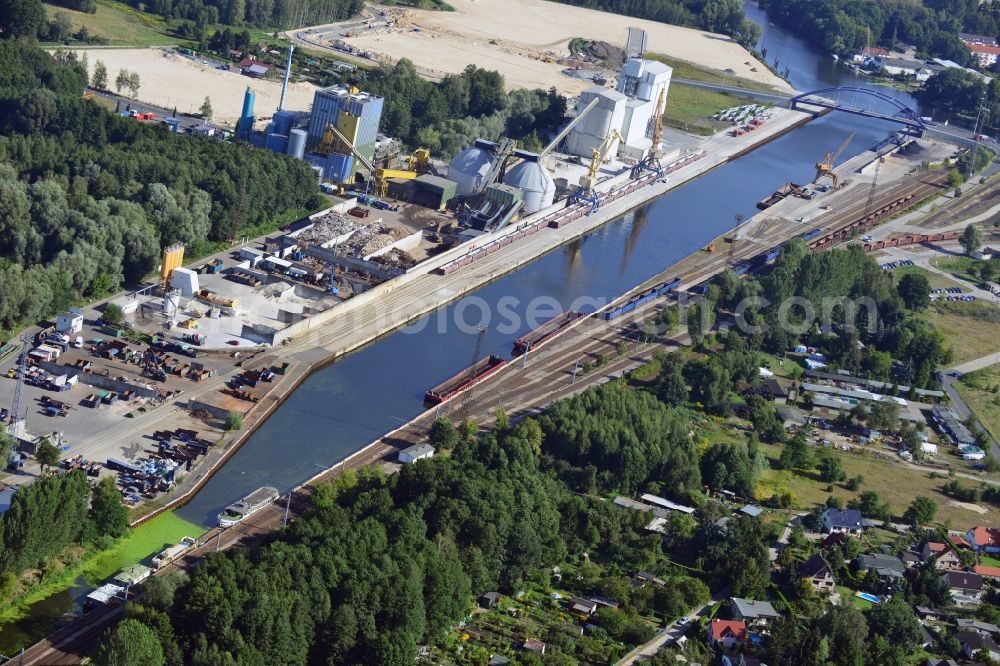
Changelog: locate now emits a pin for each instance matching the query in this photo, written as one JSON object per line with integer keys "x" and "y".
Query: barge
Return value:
{"x": 539, "y": 336}
{"x": 171, "y": 553}
{"x": 779, "y": 195}
{"x": 247, "y": 506}
{"x": 463, "y": 380}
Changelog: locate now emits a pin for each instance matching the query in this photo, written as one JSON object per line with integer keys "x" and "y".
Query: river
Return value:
{"x": 359, "y": 398}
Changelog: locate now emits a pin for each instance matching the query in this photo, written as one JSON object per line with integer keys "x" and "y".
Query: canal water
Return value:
{"x": 361, "y": 397}
{"x": 370, "y": 392}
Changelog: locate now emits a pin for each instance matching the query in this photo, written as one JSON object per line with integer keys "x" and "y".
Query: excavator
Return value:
{"x": 825, "y": 166}
{"x": 601, "y": 152}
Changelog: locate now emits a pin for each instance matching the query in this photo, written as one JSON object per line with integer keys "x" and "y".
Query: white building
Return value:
{"x": 416, "y": 452}
{"x": 69, "y": 322}
{"x": 629, "y": 109}
{"x": 186, "y": 280}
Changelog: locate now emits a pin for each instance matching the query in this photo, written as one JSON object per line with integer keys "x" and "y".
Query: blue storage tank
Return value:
{"x": 282, "y": 122}
{"x": 277, "y": 143}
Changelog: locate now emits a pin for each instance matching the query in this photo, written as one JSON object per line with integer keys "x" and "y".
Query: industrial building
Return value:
{"x": 629, "y": 109}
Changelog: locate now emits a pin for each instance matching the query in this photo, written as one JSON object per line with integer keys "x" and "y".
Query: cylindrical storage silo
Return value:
{"x": 537, "y": 187}
{"x": 468, "y": 168}
{"x": 171, "y": 302}
{"x": 297, "y": 143}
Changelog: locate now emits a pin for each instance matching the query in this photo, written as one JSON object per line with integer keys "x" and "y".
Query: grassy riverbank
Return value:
{"x": 97, "y": 566}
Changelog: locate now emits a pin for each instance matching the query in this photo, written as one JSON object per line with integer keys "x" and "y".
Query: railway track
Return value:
{"x": 522, "y": 387}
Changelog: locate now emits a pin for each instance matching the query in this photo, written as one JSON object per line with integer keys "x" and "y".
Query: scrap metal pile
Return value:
{"x": 328, "y": 226}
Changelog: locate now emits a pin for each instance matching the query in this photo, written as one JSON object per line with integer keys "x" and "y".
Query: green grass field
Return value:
{"x": 691, "y": 109}
{"x": 688, "y": 70}
{"x": 965, "y": 268}
{"x": 896, "y": 484}
{"x": 981, "y": 392}
{"x": 969, "y": 328}
{"x": 936, "y": 280}
{"x": 120, "y": 24}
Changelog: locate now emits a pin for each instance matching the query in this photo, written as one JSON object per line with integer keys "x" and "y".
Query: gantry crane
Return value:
{"x": 825, "y": 167}
{"x": 652, "y": 160}
{"x": 601, "y": 152}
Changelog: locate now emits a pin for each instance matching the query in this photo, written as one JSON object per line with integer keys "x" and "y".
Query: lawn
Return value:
{"x": 896, "y": 484}
{"x": 691, "y": 109}
{"x": 981, "y": 392}
{"x": 936, "y": 280}
{"x": 848, "y": 593}
{"x": 965, "y": 268}
{"x": 969, "y": 328}
{"x": 120, "y": 24}
{"x": 687, "y": 70}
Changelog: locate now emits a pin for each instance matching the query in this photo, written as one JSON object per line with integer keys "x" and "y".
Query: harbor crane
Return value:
{"x": 652, "y": 160}
{"x": 332, "y": 140}
{"x": 825, "y": 166}
{"x": 601, "y": 152}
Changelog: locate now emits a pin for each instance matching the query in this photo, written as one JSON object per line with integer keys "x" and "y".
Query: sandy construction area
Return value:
{"x": 517, "y": 37}
{"x": 169, "y": 80}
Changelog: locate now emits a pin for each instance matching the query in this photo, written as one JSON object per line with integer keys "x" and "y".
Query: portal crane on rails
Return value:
{"x": 586, "y": 191}
{"x": 652, "y": 160}
{"x": 825, "y": 166}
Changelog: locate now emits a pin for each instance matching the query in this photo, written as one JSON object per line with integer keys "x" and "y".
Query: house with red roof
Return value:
{"x": 984, "y": 539}
{"x": 944, "y": 557}
{"x": 987, "y": 571}
{"x": 728, "y": 634}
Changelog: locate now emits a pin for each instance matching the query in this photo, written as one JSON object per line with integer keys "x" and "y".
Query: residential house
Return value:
{"x": 819, "y": 573}
{"x": 910, "y": 558}
{"x": 871, "y": 57}
{"x": 973, "y": 641}
{"x": 416, "y": 452}
{"x": 949, "y": 425}
{"x": 966, "y": 587}
{"x": 533, "y": 645}
{"x": 986, "y": 253}
{"x": 735, "y": 660}
{"x": 834, "y": 539}
{"x": 755, "y": 614}
{"x": 931, "y": 614}
{"x": 752, "y": 510}
{"x": 977, "y": 625}
{"x": 776, "y": 390}
{"x": 498, "y": 660}
{"x": 489, "y": 600}
{"x": 582, "y": 606}
{"x": 889, "y": 569}
{"x": 987, "y": 571}
{"x": 70, "y": 322}
{"x": 984, "y": 539}
{"x": 983, "y": 40}
{"x": 946, "y": 557}
{"x": 986, "y": 56}
{"x": 727, "y": 634}
{"x": 646, "y": 577}
{"x": 848, "y": 521}
{"x": 791, "y": 417}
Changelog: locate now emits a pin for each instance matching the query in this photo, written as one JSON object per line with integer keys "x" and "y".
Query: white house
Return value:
{"x": 416, "y": 452}
{"x": 842, "y": 520}
{"x": 984, "y": 539}
{"x": 69, "y": 322}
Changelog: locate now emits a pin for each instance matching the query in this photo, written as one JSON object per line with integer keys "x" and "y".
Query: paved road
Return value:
{"x": 671, "y": 633}
{"x": 976, "y": 364}
{"x": 963, "y": 410}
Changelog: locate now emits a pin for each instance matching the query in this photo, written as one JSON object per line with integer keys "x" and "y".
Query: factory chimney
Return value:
{"x": 288, "y": 73}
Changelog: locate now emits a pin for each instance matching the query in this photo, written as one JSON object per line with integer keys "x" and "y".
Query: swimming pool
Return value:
{"x": 868, "y": 597}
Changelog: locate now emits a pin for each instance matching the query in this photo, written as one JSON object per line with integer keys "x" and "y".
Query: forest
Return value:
{"x": 253, "y": 13}
{"x": 957, "y": 91}
{"x": 844, "y": 27}
{"x": 88, "y": 198}
{"x": 722, "y": 16}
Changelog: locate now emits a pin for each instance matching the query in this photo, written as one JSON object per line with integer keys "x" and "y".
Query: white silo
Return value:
{"x": 469, "y": 168}
{"x": 538, "y": 190}
{"x": 297, "y": 143}
{"x": 597, "y": 125}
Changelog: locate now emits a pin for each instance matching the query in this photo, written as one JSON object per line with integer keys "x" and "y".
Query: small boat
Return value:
{"x": 247, "y": 506}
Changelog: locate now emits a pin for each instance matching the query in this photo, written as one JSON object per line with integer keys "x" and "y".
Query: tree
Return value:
{"x": 133, "y": 83}
{"x": 765, "y": 420}
{"x": 61, "y": 27}
{"x": 831, "y": 469}
{"x": 915, "y": 290}
{"x": 131, "y": 643}
{"x": 107, "y": 511}
{"x": 971, "y": 239}
{"x": 882, "y": 415}
{"x": 47, "y": 455}
{"x": 670, "y": 387}
{"x": 921, "y": 511}
{"x": 7, "y": 446}
{"x": 895, "y": 624}
{"x": 846, "y": 629}
{"x": 234, "y": 421}
{"x": 796, "y": 454}
{"x": 99, "y": 80}
{"x": 442, "y": 435}
{"x": 21, "y": 18}
{"x": 122, "y": 80}
{"x": 871, "y": 506}
{"x": 206, "y": 108}
{"x": 113, "y": 315}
